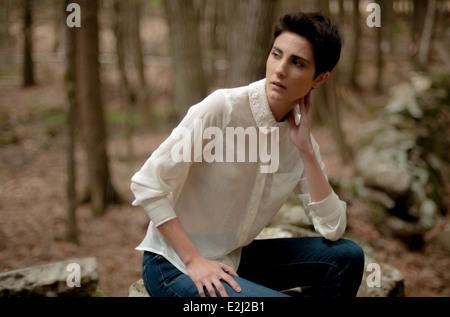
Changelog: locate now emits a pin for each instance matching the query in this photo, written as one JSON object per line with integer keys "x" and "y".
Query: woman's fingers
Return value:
{"x": 229, "y": 279}
{"x": 229, "y": 270}
{"x": 305, "y": 104}
{"x": 211, "y": 291}
{"x": 200, "y": 289}
{"x": 213, "y": 285}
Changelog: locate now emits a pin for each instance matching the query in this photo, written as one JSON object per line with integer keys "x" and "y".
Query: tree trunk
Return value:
{"x": 328, "y": 112}
{"x": 249, "y": 32}
{"x": 121, "y": 23}
{"x": 135, "y": 36}
{"x": 380, "y": 60}
{"x": 384, "y": 34}
{"x": 427, "y": 34}
{"x": 70, "y": 79}
{"x": 189, "y": 77}
{"x": 324, "y": 7}
{"x": 59, "y": 23}
{"x": 7, "y": 40}
{"x": 101, "y": 191}
{"x": 28, "y": 66}
{"x": 121, "y": 35}
{"x": 418, "y": 19}
{"x": 326, "y": 103}
{"x": 356, "y": 47}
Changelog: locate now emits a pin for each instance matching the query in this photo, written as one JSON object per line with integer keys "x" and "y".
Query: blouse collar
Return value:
{"x": 260, "y": 106}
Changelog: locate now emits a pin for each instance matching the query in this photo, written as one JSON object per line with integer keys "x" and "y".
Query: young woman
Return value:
{"x": 205, "y": 214}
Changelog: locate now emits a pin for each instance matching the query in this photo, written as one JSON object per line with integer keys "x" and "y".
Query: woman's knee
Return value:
{"x": 352, "y": 254}
{"x": 356, "y": 252}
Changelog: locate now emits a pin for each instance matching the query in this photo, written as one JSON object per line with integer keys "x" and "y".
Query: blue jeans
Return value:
{"x": 320, "y": 267}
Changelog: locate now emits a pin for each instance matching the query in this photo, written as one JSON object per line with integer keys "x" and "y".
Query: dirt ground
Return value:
{"x": 33, "y": 202}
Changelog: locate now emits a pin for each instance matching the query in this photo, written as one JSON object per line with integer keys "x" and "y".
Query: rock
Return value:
{"x": 375, "y": 213}
{"x": 443, "y": 237}
{"x": 76, "y": 278}
{"x": 404, "y": 100}
{"x": 384, "y": 166}
{"x": 137, "y": 289}
{"x": 99, "y": 293}
{"x": 274, "y": 233}
{"x": 292, "y": 214}
{"x": 404, "y": 154}
{"x": 391, "y": 281}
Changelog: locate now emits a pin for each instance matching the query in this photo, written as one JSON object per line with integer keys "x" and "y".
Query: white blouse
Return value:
{"x": 223, "y": 204}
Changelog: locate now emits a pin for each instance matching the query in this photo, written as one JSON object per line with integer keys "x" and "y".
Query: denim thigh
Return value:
{"x": 323, "y": 267}
{"x": 162, "y": 279}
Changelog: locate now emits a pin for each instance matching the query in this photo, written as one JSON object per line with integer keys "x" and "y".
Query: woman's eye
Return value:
{"x": 276, "y": 55}
{"x": 297, "y": 63}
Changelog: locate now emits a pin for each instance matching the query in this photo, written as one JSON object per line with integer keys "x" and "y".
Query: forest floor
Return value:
{"x": 33, "y": 201}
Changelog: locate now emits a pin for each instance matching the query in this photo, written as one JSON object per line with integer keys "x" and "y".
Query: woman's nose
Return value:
{"x": 281, "y": 69}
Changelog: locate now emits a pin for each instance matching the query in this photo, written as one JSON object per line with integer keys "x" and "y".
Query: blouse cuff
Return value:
{"x": 327, "y": 209}
{"x": 160, "y": 211}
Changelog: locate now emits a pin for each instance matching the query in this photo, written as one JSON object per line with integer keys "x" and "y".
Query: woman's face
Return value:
{"x": 290, "y": 72}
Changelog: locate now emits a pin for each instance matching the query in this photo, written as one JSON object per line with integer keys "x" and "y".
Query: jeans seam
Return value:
{"x": 147, "y": 285}
{"x": 167, "y": 285}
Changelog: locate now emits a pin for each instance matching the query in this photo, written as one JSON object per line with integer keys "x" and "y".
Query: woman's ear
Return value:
{"x": 319, "y": 80}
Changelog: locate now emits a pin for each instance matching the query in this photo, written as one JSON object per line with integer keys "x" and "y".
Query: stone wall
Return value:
{"x": 402, "y": 161}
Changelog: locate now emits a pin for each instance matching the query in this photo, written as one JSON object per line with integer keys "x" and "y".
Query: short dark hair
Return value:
{"x": 324, "y": 37}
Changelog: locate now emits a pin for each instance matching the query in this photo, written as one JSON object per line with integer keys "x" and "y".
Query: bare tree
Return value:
{"x": 189, "y": 78}
{"x": 249, "y": 32}
{"x": 7, "y": 40}
{"x": 135, "y": 39}
{"x": 380, "y": 58}
{"x": 124, "y": 14}
{"x": 427, "y": 34}
{"x": 384, "y": 36}
{"x": 100, "y": 191}
{"x": 356, "y": 47}
{"x": 28, "y": 66}
{"x": 328, "y": 108}
{"x": 417, "y": 21}
{"x": 59, "y": 20}
{"x": 70, "y": 80}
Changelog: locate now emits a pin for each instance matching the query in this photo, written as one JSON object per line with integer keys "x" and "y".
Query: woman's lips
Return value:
{"x": 278, "y": 84}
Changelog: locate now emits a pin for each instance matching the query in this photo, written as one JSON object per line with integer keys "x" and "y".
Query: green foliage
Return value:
{"x": 117, "y": 117}
{"x": 53, "y": 117}
{"x": 155, "y": 3}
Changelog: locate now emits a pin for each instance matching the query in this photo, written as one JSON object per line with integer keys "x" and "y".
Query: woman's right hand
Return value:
{"x": 204, "y": 273}
{"x": 209, "y": 274}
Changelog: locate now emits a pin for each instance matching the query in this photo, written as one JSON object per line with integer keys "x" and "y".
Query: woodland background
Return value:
{"x": 81, "y": 109}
